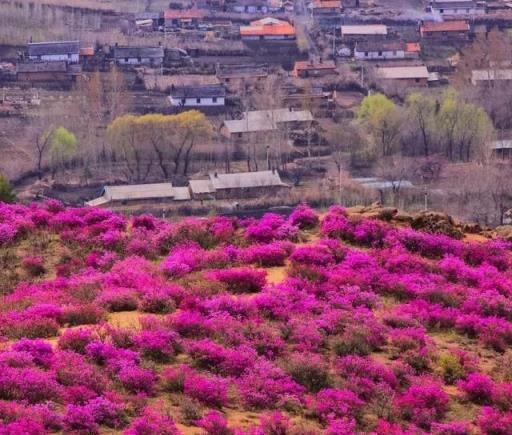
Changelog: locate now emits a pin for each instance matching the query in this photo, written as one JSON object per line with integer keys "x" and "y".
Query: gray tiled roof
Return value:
{"x": 243, "y": 180}
{"x": 266, "y": 120}
{"x": 53, "y": 48}
{"x": 204, "y": 91}
{"x": 144, "y": 52}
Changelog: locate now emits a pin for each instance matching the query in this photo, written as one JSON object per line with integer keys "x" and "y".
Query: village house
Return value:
{"x": 260, "y": 121}
{"x": 310, "y": 68}
{"x": 56, "y": 51}
{"x": 234, "y": 75}
{"x": 313, "y": 97}
{"x": 183, "y": 18}
{"x": 250, "y": 6}
{"x": 445, "y": 30}
{"x": 414, "y": 76}
{"x": 267, "y": 29}
{"x": 50, "y": 74}
{"x": 326, "y": 7}
{"x": 139, "y": 194}
{"x": 489, "y": 77}
{"x": 137, "y": 56}
{"x": 198, "y": 96}
{"x": 237, "y": 185}
{"x": 379, "y": 50}
{"x": 363, "y": 32}
{"x": 457, "y": 7}
{"x": 386, "y": 50}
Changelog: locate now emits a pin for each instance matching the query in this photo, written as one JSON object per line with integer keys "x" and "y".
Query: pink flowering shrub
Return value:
{"x": 240, "y": 280}
{"x": 152, "y": 422}
{"x": 337, "y": 404}
{"x": 423, "y": 404}
{"x": 479, "y": 388}
{"x": 303, "y": 217}
{"x": 211, "y": 391}
{"x": 347, "y": 337}
{"x": 213, "y": 423}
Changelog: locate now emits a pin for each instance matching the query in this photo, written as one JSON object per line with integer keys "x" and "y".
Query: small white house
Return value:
{"x": 56, "y": 51}
{"x": 150, "y": 56}
{"x": 198, "y": 96}
{"x": 457, "y": 7}
{"x": 379, "y": 50}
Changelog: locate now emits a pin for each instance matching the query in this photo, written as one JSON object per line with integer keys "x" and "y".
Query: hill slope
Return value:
{"x": 295, "y": 325}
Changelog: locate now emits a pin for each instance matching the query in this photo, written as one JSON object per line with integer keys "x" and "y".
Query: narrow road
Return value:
{"x": 304, "y": 23}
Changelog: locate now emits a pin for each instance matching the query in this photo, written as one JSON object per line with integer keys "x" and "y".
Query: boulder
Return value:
{"x": 437, "y": 223}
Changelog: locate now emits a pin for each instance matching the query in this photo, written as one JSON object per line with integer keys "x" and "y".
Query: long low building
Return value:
{"x": 491, "y": 76}
{"x": 140, "y": 193}
{"x": 265, "y": 120}
{"x": 237, "y": 185}
{"x": 405, "y": 75}
{"x": 363, "y": 31}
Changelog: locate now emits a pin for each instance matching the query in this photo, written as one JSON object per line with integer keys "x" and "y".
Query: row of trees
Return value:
{"x": 165, "y": 140}
{"x": 426, "y": 125}
{"x": 61, "y": 146}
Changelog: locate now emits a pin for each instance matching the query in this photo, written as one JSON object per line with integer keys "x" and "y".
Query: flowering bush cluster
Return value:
{"x": 138, "y": 325}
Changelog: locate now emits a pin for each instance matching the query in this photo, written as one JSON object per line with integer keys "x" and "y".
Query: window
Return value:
{"x": 198, "y": 100}
{"x": 126, "y": 59}
{"x": 417, "y": 80}
{"x": 183, "y": 101}
{"x": 365, "y": 54}
{"x": 380, "y": 53}
{"x": 214, "y": 99}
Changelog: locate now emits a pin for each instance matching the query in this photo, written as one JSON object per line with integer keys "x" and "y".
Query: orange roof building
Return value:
{"x": 87, "y": 51}
{"x": 444, "y": 28}
{"x": 267, "y": 28}
{"x": 326, "y": 6}
{"x": 307, "y": 68}
{"x": 412, "y": 47}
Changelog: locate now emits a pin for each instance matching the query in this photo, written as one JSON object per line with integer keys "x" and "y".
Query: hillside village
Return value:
{"x": 151, "y": 105}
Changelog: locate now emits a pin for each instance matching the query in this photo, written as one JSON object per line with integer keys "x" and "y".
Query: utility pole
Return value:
{"x": 339, "y": 181}
{"x": 334, "y": 43}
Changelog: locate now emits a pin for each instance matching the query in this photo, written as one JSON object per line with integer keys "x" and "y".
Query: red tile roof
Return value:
{"x": 412, "y": 47}
{"x": 445, "y": 26}
{"x": 87, "y": 51}
{"x": 268, "y": 27}
{"x": 329, "y": 4}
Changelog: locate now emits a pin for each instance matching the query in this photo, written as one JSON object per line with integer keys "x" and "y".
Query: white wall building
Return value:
{"x": 57, "y": 51}
{"x": 379, "y": 51}
{"x": 198, "y": 96}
